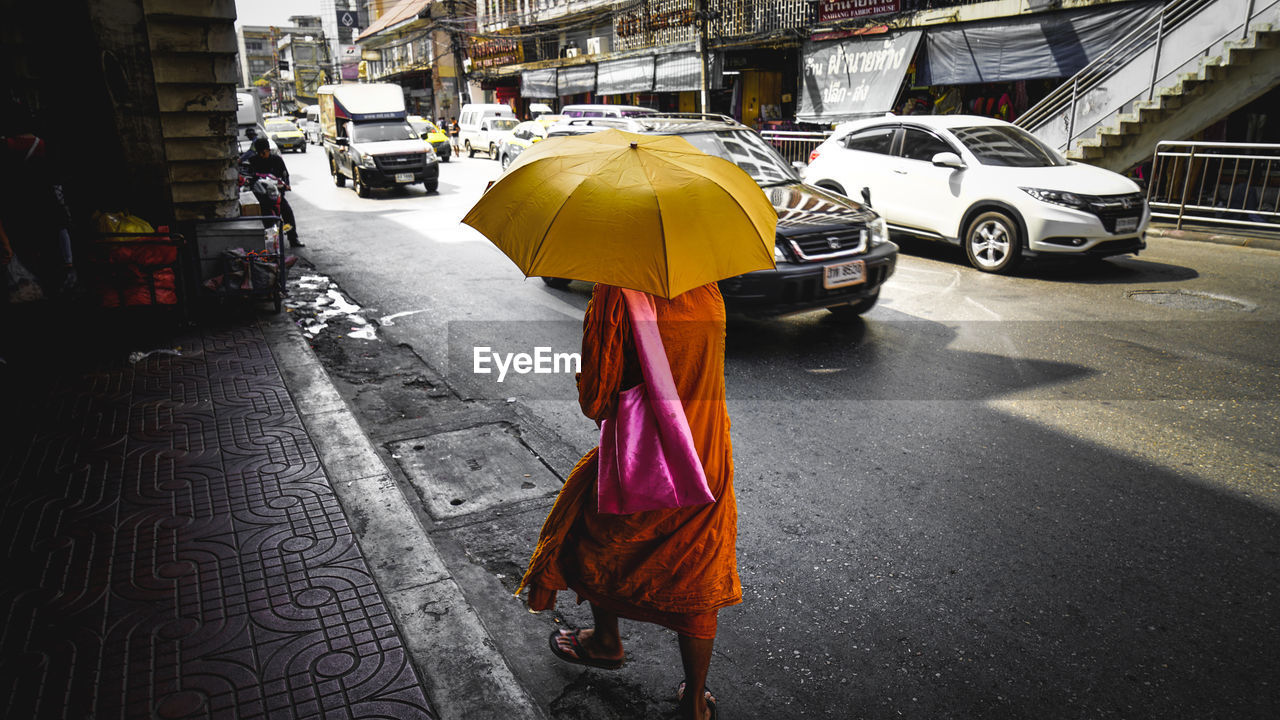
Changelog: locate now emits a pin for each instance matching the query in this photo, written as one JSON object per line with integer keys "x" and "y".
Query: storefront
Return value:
{"x": 997, "y": 68}
{"x": 664, "y": 82}
{"x": 759, "y": 86}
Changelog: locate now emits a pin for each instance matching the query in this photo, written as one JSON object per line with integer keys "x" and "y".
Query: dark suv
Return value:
{"x": 832, "y": 252}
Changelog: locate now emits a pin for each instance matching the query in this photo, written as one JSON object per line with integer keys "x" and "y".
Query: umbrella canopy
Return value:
{"x": 645, "y": 212}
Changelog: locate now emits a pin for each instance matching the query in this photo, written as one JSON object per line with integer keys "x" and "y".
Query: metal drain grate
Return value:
{"x": 1190, "y": 300}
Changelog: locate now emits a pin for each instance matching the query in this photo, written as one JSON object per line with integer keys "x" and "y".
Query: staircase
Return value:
{"x": 1190, "y": 66}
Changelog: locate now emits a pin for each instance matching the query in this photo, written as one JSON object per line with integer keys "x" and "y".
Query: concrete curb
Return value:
{"x": 1252, "y": 241}
{"x": 464, "y": 674}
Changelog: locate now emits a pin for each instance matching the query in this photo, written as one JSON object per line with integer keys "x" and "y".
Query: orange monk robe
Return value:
{"x": 673, "y": 567}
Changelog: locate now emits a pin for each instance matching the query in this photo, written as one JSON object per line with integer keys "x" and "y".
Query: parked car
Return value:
{"x": 831, "y": 251}
{"x": 492, "y": 131}
{"x": 286, "y": 135}
{"x": 986, "y": 185}
{"x": 547, "y": 120}
{"x": 472, "y": 117}
{"x": 434, "y": 135}
{"x": 523, "y": 136}
{"x": 602, "y": 110}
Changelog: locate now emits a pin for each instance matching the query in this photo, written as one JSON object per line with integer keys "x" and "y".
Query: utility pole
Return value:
{"x": 704, "y": 17}
{"x": 459, "y": 72}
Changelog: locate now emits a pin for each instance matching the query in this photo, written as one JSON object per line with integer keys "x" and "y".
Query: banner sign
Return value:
{"x": 852, "y": 78}
{"x": 625, "y": 76}
{"x": 348, "y": 19}
{"x": 577, "y": 79}
{"x": 538, "y": 83}
{"x": 831, "y": 10}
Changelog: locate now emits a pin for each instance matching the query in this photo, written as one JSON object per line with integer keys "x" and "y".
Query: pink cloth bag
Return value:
{"x": 647, "y": 460}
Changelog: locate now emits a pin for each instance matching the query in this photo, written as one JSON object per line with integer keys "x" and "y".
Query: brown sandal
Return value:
{"x": 579, "y": 656}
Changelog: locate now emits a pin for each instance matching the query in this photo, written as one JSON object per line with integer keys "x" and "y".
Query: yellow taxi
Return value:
{"x": 286, "y": 135}
{"x": 433, "y": 134}
{"x": 521, "y": 138}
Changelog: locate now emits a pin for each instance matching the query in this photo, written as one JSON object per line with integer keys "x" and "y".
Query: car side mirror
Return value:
{"x": 342, "y": 141}
{"x": 866, "y": 196}
{"x": 948, "y": 159}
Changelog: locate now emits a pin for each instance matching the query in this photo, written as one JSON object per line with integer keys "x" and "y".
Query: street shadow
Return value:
{"x": 1117, "y": 269}
{"x": 890, "y": 357}
{"x": 956, "y": 560}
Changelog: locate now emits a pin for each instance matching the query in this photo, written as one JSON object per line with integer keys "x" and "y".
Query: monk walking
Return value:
{"x": 676, "y": 567}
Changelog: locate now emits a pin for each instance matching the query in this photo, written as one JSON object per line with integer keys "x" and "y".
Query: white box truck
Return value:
{"x": 367, "y": 138}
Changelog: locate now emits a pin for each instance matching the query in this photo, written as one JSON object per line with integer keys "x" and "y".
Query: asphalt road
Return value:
{"x": 1052, "y": 495}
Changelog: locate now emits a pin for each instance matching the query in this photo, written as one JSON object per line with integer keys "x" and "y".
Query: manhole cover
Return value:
{"x": 1190, "y": 300}
{"x": 465, "y": 471}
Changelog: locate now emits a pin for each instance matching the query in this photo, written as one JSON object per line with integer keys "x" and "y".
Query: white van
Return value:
{"x": 470, "y": 120}
{"x": 581, "y": 111}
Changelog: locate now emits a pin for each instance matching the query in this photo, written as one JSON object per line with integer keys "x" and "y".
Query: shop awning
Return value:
{"x": 625, "y": 76}
{"x": 846, "y": 79}
{"x": 1044, "y": 45}
{"x": 677, "y": 72}
{"x": 538, "y": 83}
{"x": 577, "y": 79}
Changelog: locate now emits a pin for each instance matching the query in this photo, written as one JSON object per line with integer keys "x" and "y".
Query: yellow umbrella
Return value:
{"x": 644, "y": 212}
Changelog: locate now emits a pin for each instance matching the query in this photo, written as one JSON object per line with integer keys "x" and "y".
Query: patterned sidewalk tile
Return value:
{"x": 176, "y": 551}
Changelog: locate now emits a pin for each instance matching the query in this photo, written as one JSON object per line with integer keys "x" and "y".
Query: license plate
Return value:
{"x": 1124, "y": 225}
{"x": 849, "y": 273}
{"x": 404, "y": 177}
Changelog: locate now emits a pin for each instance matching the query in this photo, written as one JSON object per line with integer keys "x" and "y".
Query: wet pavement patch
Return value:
{"x": 1190, "y": 300}
{"x": 465, "y": 471}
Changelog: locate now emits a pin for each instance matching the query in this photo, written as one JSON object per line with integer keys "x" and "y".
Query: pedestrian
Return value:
{"x": 262, "y": 161}
{"x": 676, "y": 567}
{"x": 33, "y": 205}
{"x": 454, "y": 131}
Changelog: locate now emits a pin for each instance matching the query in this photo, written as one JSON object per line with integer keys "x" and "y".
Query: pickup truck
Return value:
{"x": 367, "y": 137}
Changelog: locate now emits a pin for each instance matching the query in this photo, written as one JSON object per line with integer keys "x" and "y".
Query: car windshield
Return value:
{"x": 748, "y": 151}
{"x": 423, "y": 127}
{"x": 280, "y": 126}
{"x": 379, "y": 132}
{"x": 1007, "y": 146}
{"x": 503, "y": 125}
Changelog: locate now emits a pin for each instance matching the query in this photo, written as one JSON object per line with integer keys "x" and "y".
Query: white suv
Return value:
{"x": 984, "y": 184}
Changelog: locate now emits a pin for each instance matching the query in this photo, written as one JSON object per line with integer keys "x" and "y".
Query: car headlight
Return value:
{"x": 1058, "y": 197}
{"x": 367, "y": 161}
{"x": 778, "y": 255}
{"x": 431, "y": 154}
{"x": 879, "y": 231}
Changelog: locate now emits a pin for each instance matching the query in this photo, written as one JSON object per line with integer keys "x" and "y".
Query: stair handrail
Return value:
{"x": 1154, "y": 30}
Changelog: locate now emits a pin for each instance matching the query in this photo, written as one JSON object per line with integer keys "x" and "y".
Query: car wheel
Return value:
{"x": 302, "y": 148}
{"x": 557, "y": 283}
{"x": 431, "y": 185}
{"x": 847, "y": 313}
{"x": 362, "y": 188}
{"x": 833, "y": 187}
{"x": 338, "y": 178}
{"x": 471, "y": 152}
{"x": 493, "y": 151}
{"x": 992, "y": 242}
{"x": 505, "y": 161}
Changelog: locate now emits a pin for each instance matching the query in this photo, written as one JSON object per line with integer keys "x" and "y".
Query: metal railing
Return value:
{"x": 1210, "y": 183}
{"x": 1067, "y": 97}
{"x": 792, "y": 145}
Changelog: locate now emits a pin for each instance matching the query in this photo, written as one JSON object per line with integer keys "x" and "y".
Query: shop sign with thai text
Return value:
{"x": 850, "y": 78}
{"x": 831, "y": 10}
{"x": 487, "y": 52}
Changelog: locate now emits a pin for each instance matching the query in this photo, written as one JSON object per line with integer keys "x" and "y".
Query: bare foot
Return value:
{"x": 692, "y": 710}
